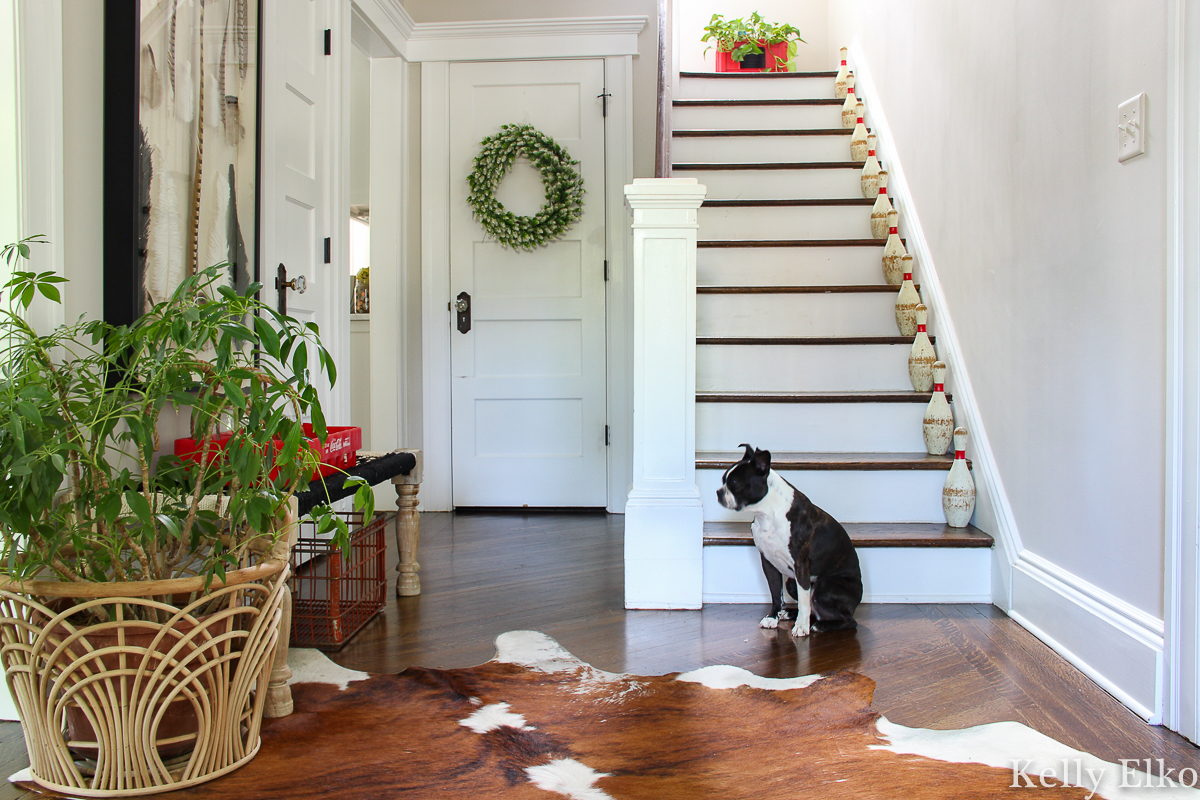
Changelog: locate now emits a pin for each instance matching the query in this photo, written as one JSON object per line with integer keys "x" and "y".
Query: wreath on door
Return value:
{"x": 564, "y": 188}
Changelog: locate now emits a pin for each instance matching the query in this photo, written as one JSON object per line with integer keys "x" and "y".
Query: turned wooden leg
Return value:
{"x": 408, "y": 529}
{"x": 279, "y": 693}
{"x": 408, "y": 538}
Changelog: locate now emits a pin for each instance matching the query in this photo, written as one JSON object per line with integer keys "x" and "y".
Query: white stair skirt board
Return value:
{"x": 754, "y": 149}
{"x": 754, "y": 88}
{"x": 756, "y": 118}
{"x": 803, "y": 368}
{"x": 777, "y": 184}
{"x": 797, "y": 314}
{"x": 789, "y": 266}
{"x": 850, "y": 496}
{"x": 733, "y": 574}
{"x": 786, "y": 222}
{"x": 812, "y": 427}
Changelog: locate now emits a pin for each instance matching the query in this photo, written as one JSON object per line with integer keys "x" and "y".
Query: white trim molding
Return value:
{"x": 1117, "y": 645}
{"x": 504, "y": 39}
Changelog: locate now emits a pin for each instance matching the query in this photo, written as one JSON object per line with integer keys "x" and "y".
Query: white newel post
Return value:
{"x": 664, "y": 520}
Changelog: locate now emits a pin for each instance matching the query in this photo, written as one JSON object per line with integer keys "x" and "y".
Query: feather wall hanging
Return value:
{"x": 145, "y": 179}
{"x": 171, "y": 51}
{"x": 242, "y": 28}
{"x": 240, "y": 263}
{"x": 152, "y": 87}
{"x": 166, "y": 236}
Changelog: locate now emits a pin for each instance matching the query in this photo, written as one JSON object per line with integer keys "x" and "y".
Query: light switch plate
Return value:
{"x": 1131, "y": 129}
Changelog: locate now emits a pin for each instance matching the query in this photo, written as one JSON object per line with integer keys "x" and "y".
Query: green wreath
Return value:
{"x": 564, "y": 187}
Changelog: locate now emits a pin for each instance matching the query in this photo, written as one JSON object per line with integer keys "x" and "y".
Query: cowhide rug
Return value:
{"x": 535, "y": 723}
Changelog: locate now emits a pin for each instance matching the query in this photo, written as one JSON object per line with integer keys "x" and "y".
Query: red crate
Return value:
{"x": 340, "y": 450}
{"x": 774, "y": 59}
{"x": 334, "y": 596}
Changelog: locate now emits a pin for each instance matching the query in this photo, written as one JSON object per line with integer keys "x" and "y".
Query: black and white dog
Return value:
{"x": 798, "y": 543}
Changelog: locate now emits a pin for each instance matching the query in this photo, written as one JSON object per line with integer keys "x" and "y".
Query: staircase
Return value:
{"x": 797, "y": 346}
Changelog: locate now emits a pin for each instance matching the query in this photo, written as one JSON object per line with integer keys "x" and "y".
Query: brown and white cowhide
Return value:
{"x": 537, "y": 723}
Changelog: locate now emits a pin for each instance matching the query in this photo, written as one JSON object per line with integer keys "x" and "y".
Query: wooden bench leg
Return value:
{"x": 408, "y": 528}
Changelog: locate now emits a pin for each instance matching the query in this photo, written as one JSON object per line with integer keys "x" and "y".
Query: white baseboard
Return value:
{"x": 1116, "y": 645}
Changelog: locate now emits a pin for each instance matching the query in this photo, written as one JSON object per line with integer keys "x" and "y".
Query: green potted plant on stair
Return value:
{"x": 140, "y": 595}
{"x": 753, "y": 45}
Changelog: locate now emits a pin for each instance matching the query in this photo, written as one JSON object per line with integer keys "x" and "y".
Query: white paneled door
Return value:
{"x": 297, "y": 191}
{"x": 528, "y": 378}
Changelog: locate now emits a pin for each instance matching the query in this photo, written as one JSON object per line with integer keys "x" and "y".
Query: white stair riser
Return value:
{"x": 812, "y": 427}
{"x": 777, "y": 184}
{"x": 890, "y": 575}
{"x": 802, "y": 368}
{"x": 850, "y": 496}
{"x": 755, "y": 118}
{"x": 833, "y": 314}
{"x": 789, "y": 266}
{"x": 785, "y": 222}
{"x": 757, "y": 149}
{"x": 754, "y": 88}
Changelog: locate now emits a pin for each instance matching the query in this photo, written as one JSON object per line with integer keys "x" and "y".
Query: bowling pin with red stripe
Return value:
{"x": 870, "y": 171}
{"x": 850, "y": 107}
{"x": 922, "y": 356}
{"x": 958, "y": 493}
{"x": 938, "y": 426}
{"x": 879, "y": 212}
{"x": 839, "y": 83}
{"x": 906, "y": 305}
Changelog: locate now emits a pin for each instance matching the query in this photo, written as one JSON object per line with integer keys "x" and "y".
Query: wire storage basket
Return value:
{"x": 333, "y": 595}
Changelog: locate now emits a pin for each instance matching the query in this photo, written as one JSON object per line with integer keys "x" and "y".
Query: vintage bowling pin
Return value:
{"x": 938, "y": 427}
{"x": 870, "y": 171}
{"x": 879, "y": 212}
{"x": 839, "y": 83}
{"x": 858, "y": 139}
{"x": 894, "y": 255}
{"x": 850, "y": 107}
{"x": 906, "y": 306}
{"x": 922, "y": 356}
{"x": 958, "y": 493}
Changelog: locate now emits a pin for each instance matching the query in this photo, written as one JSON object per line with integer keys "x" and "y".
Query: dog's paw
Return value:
{"x": 769, "y": 622}
{"x": 800, "y": 630}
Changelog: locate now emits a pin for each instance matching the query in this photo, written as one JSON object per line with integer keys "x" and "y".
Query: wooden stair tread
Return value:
{"x": 857, "y": 462}
{"x": 814, "y": 340}
{"x": 792, "y": 243}
{"x": 773, "y": 101}
{"x": 758, "y": 75}
{"x": 695, "y": 133}
{"x": 853, "y": 288}
{"x": 816, "y": 397}
{"x": 868, "y": 534}
{"x": 719, "y": 165}
{"x": 820, "y": 201}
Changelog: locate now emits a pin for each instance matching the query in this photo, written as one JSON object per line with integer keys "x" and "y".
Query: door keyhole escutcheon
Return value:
{"x": 463, "y": 306}
{"x": 299, "y": 284}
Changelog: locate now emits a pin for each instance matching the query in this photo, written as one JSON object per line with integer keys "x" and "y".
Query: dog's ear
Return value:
{"x": 749, "y": 454}
{"x": 762, "y": 461}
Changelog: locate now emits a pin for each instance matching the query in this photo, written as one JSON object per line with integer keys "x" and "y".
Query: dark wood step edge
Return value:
{"x": 852, "y": 462}
{"x": 705, "y": 165}
{"x": 857, "y": 288}
{"x": 739, "y": 341}
{"x": 818, "y": 397}
{"x": 708, "y": 133}
{"x": 971, "y": 537}
{"x": 737, "y": 243}
{"x": 805, "y": 202}
{"x": 757, "y": 102}
{"x": 757, "y": 75}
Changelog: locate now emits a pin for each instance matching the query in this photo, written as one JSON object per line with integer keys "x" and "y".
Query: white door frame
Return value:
{"x": 436, "y": 494}
{"x": 1181, "y": 681}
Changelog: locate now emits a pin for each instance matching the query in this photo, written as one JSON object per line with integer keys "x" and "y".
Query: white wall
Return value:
{"x": 358, "y": 180}
{"x": 1052, "y": 259}
{"x": 810, "y": 17}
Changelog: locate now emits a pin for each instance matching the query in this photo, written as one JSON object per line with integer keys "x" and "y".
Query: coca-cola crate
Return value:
{"x": 338, "y": 452}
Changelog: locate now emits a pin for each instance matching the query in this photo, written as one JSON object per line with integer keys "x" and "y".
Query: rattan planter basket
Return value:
{"x": 156, "y": 704}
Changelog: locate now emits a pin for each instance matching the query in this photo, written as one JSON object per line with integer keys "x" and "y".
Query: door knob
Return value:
{"x": 298, "y": 284}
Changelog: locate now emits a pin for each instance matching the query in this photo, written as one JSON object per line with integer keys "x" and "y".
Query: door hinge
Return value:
{"x": 607, "y": 436}
{"x": 604, "y": 95}
{"x": 606, "y": 269}
{"x": 328, "y": 42}
{"x": 328, "y": 250}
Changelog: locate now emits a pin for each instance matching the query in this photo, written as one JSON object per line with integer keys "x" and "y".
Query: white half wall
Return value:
{"x": 1045, "y": 262}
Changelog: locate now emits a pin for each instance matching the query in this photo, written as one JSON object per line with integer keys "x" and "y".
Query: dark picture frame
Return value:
{"x": 182, "y": 143}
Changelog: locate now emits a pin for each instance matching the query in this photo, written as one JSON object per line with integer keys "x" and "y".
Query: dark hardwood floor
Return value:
{"x": 938, "y": 666}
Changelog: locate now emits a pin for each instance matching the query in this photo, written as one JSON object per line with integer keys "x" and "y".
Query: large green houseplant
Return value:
{"x": 105, "y": 533}
{"x": 740, "y": 38}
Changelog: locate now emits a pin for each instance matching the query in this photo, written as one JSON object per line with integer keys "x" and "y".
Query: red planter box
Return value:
{"x": 774, "y": 58}
{"x": 339, "y": 451}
